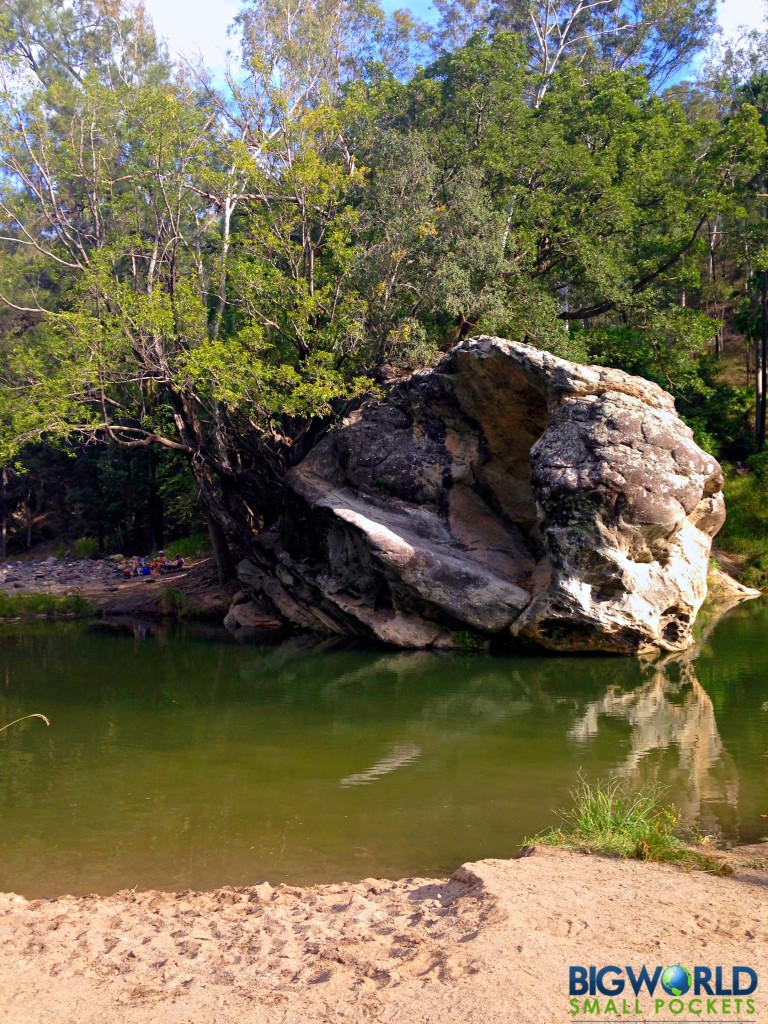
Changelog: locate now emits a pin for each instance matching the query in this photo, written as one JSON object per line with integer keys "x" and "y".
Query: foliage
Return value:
{"x": 584, "y": 211}
{"x": 202, "y": 279}
{"x": 86, "y": 547}
{"x": 128, "y": 499}
{"x": 758, "y": 465}
{"x": 745, "y": 532}
{"x": 610, "y": 819}
{"x": 194, "y": 546}
{"x": 660, "y": 37}
{"x": 470, "y": 641}
{"x": 194, "y": 265}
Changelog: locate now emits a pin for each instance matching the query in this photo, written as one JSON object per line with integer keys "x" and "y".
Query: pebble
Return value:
{"x": 49, "y": 572}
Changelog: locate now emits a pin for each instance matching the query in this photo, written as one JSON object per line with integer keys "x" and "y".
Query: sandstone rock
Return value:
{"x": 724, "y": 590}
{"x": 251, "y": 616}
{"x": 250, "y": 575}
{"x": 506, "y": 493}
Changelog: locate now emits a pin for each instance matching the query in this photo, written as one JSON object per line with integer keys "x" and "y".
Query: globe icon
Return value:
{"x": 676, "y": 980}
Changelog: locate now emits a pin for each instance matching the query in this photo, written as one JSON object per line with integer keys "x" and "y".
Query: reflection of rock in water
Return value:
{"x": 666, "y": 713}
{"x": 400, "y": 756}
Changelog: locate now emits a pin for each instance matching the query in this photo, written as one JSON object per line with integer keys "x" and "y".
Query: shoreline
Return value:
{"x": 193, "y": 592}
{"x": 492, "y": 943}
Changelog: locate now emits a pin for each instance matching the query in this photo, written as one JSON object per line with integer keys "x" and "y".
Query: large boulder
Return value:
{"x": 505, "y": 494}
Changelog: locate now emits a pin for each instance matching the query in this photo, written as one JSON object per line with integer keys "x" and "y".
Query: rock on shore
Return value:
{"x": 506, "y": 493}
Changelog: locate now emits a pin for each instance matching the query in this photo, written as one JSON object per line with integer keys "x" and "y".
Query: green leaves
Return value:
{"x": 213, "y": 272}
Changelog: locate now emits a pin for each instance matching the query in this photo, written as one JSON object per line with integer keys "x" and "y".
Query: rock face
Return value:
{"x": 506, "y": 493}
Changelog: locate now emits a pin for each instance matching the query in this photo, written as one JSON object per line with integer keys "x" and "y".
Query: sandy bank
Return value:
{"x": 491, "y": 944}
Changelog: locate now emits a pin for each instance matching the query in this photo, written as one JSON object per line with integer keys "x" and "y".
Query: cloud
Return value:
{"x": 733, "y": 14}
{"x": 191, "y": 27}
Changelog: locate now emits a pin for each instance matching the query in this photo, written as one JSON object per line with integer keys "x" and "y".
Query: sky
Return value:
{"x": 199, "y": 27}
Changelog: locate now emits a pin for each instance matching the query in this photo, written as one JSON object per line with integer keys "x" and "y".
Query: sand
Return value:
{"x": 491, "y": 944}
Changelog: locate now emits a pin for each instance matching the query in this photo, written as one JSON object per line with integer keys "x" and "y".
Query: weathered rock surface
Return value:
{"x": 248, "y": 620}
{"x": 506, "y": 493}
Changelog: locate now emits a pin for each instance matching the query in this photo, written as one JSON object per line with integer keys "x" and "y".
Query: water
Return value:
{"x": 185, "y": 761}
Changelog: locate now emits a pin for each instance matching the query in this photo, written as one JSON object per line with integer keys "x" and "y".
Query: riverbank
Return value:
{"x": 490, "y": 945}
{"x": 99, "y": 587}
{"x": 54, "y": 588}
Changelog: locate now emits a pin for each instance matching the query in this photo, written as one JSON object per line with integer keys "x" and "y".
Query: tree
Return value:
{"x": 658, "y": 36}
{"x": 754, "y": 94}
{"x": 593, "y": 204}
{"x": 183, "y": 263}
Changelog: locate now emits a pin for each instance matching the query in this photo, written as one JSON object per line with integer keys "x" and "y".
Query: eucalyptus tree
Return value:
{"x": 590, "y": 209}
{"x": 178, "y": 263}
{"x": 659, "y": 36}
{"x": 753, "y": 316}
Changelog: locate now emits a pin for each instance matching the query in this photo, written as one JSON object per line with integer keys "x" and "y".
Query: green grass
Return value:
{"x": 746, "y": 527}
{"x": 174, "y": 602}
{"x": 610, "y": 819}
{"x": 195, "y": 546}
{"x": 470, "y": 641}
{"x": 86, "y": 547}
{"x": 12, "y": 605}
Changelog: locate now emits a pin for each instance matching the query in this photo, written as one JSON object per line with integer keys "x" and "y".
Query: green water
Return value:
{"x": 185, "y": 761}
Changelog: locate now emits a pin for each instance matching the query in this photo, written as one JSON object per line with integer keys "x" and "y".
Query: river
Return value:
{"x": 178, "y": 759}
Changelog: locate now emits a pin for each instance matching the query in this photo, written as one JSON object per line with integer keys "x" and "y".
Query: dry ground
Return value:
{"x": 491, "y": 945}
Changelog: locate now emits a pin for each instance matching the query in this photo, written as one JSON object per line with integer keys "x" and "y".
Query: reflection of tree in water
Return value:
{"x": 674, "y": 740}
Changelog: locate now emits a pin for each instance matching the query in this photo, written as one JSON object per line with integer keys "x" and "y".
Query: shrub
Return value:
{"x": 86, "y": 547}
{"x": 745, "y": 532}
{"x": 758, "y": 464}
{"x": 194, "y": 546}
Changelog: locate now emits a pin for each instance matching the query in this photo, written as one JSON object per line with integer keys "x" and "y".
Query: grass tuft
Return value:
{"x": 608, "y": 818}
{"x": 174, "y": 602}
{"x": 469, "y": 641}
{"x": 86, "y": 547}
{"x": 13, "y": 605}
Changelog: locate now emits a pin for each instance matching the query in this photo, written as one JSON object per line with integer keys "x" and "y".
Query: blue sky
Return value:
{"x": 199, "y": 26}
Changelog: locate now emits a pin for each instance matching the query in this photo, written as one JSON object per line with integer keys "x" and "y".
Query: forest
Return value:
{"x": 200, "y": 273}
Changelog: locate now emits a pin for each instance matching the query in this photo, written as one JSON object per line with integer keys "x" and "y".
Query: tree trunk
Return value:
{"x": 29, "y": 518}
{"x": 3, "y": 512}
{"x": 156, "y": 507}
{"x": 225, "y": 563}
{"x": 221, "y": 525}
{"x": 763, "y": 371}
